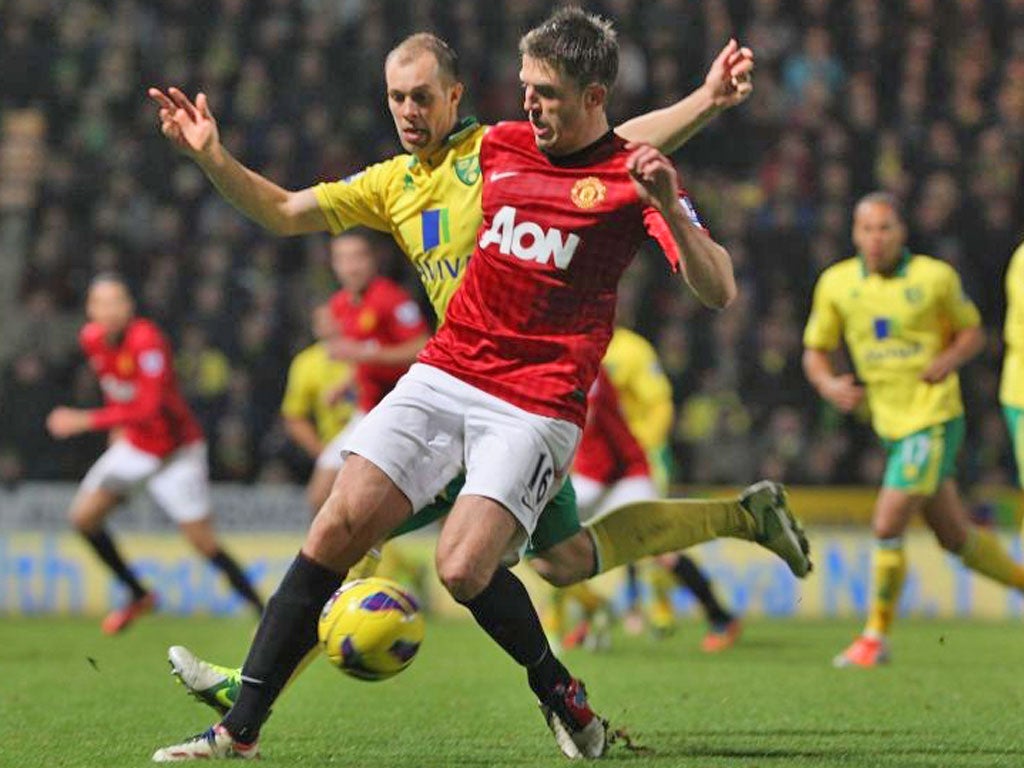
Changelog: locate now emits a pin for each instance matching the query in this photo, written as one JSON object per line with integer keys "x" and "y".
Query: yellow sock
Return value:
{"x": 984, "y": 553}
{"x": 554, "y": 616}
{"x": 366, "y": 567}
{"x": 589, "y": 600}
{"x": 890, "y": 568}
{"x": 644, "y": 528}
{"x": 662, "y": 613}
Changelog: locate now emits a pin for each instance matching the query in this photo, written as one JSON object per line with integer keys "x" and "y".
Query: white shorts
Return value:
{"x": 594, "y": 498}
{"x": 178, "y": 483}
{"x": 432, "y": 425}
{"x": 332, "y": 456}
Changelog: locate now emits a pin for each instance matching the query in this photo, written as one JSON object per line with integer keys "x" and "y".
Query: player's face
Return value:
{"x": 424, "y": 106}
{"x": 109, "y": 305}
{"x": 353, "y": 262}
{"x": 561, "y": 113}
{"x": 879, "y": 236}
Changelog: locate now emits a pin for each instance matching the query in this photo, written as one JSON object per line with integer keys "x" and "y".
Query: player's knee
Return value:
{"x": 462, "y": 576}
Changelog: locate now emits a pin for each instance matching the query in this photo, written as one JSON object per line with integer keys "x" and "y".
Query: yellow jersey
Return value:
{"x": 1011, "y": 390}
{"x": 644, "y": 390}
{"x": 431, "y": 208}
{"x": 312, "y": 376}
{"x": 894, "y": 326}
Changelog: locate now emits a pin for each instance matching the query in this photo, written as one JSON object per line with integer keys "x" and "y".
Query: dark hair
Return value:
{"x": 579, "y": 45}
{"x": 425, "y": 42}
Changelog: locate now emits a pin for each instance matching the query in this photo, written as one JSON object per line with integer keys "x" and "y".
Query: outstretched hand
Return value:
{"x": 730, "y": 79}
{"x": 653, "y": 175}
{"x": 189, "y": 126}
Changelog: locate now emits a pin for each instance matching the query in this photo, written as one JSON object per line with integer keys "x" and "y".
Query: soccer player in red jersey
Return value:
{"x": 156, "y": 442}
{"x": 501, "y": 388}
{"x": 436, "y": 422}
{"x": 381, "y": 330}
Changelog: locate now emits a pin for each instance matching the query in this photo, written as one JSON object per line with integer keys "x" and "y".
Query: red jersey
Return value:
{"x": 608, "y": 451}
{"x": 533, "y": 316}
{"x": 384, "y": 313}
{"x": 141, "y": 393}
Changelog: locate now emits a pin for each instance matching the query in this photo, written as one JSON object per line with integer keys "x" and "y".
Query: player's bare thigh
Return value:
{"x": 476, "y": 536}
{"x": 363, "y": 507}
{"x": 201, "y": 535}
{"x": 893, "y": 510}
{"x": 947, "y": 516}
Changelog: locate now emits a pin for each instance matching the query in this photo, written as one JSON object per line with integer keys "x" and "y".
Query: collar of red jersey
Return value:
{"x": 457, "y": 135}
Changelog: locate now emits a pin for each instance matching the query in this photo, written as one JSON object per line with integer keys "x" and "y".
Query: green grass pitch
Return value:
{"x": 953, "y": 697}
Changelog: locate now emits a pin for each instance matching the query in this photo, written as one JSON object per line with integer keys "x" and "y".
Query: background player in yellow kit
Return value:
{"x": 314, "y": 409}
{"x": 1011, "y": 390}
{"x": 908, "y": 327}
{"x": 645, "y": 394}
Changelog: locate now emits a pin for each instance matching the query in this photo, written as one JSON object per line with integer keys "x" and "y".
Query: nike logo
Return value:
{"x": 499, "y": 175}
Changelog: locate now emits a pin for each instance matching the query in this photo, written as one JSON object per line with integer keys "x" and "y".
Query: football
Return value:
{"x": 371, "y": 628}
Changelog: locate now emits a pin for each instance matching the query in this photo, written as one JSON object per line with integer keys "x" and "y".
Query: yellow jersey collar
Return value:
{"x": 456, "y": 136}
{"x": 901, "y": 267}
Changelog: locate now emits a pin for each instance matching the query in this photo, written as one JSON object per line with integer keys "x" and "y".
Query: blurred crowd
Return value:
{"x": 921, "y": 97}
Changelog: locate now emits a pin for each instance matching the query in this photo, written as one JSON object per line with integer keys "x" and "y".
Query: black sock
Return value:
{"x": 239, "y": 581}
{"x": 691, "y": 576}
{"x": 505, "y": 612}
{"x": 105, "y": 548}
{"x": 287, "y": 632}
{"x": 632, "y": 587}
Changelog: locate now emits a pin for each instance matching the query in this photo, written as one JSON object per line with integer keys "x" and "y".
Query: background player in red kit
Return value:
{"x": 156, "y": 442}
{"x": 500, "y": 390}
{"x": 381, "y": 329}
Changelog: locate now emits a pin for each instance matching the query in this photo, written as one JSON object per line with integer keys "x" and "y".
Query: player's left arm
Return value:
{"x": 151, "y": 363}
{"x": 706, "y": 265}
{"x": 968, "y": 337}
{"x": 729, "y": 82}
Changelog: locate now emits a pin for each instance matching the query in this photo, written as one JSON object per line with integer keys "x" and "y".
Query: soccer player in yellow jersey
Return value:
{"x": 645, "y": 393}
{"x": 315, "y": 408}
{"x": 908, "y": 327}
{"x": 1011, "y": 390}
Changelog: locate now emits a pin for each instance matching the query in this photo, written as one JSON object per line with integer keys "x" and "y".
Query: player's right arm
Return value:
{"x": 821, "y": 338}
{"x": 193, "y": 130}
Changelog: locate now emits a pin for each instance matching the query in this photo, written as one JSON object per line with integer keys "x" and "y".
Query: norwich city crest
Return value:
{"x": 587, "y": 192}
{"x": 468, "y": 169}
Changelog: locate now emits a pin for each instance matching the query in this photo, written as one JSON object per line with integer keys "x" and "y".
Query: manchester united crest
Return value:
{"x": 587, "y": 192}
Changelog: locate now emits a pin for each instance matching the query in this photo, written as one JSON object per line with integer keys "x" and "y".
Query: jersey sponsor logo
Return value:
{"x": 527, "y": 241}
{"x": 883, "y": 327}
{"x": 499, "y": 175}
{"x": 442, "y": 269}
{"x": 434, "y": 227}
{"x": 588, "y": 192}
{"x": 408, "y": 313}
{"x": 117, "y": 390}
{"x": 468, "y": 170}
{"x": 151, "y": 362}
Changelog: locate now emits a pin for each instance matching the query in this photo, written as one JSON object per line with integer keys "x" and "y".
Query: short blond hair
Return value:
{"x": 427, "y": 42}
